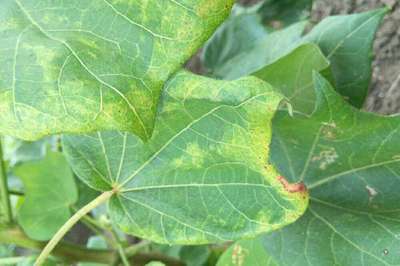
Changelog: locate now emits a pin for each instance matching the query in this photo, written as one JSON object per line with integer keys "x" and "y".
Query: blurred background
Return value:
{"x": 384, "y": 96}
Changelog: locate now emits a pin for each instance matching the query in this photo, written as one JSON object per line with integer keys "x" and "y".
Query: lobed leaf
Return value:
{"x": 345, "y": 40}
{"x": 81, "y": 66}
{"x": 202, "y": 177}
{"x": 349, "y": 161}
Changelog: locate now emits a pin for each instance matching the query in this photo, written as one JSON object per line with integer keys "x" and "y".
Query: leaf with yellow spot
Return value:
{"x": 203, "y": 176}
{"x": 349, "y": 161}
{"x": 248, "y": 252}
{"x": 81, "y": 66}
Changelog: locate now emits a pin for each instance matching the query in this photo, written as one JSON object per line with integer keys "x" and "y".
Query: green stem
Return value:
{"x": 132, "y": 250}
{"x": 16, "y": 193}
{"x": 96, "y": 223}
{"x": 4, "y": 195}
{"x": 120, "y": 247}
{"x": 98, "y": 231}
{"x": 74, "y": 253}
{"x": 68, "y": 252}
{"x": 70, "y": 223}
{"x": 97, "y": 228}
{"x": 12, "y": 260}
{"x": 122, "y": 255}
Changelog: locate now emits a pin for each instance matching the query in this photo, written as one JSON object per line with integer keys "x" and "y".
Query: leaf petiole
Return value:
{"x": 70, "y": 223}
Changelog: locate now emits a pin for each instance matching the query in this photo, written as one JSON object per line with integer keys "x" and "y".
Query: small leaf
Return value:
{"x": 347, "y": 42}
{"x": 195, "y": 255}
{"x": 292, "y": 75}
{"x": 190, "y": 255}
{"x": 50, "y": 191}
{"x": 80, "y": 66}
{"x": 202, "y": 178}
{"x": 349, "y": 160}
{"x": 247, "y": 252}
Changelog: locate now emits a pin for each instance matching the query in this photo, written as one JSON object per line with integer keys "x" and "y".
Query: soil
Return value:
{"x": 384, "y": 96}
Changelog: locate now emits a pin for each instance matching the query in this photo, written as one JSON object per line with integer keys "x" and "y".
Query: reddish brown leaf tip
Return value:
{"x": 292, "y": 188}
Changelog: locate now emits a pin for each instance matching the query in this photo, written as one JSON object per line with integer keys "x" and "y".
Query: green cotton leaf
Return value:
{"x": 255, "y": 51}
{"x": 80, "y": 66}
{"x": 236, "y": 35}
{"x": 292, "y": 75}
{"x": 347, "y": 42}
{"x": 349, "y": 161}
{"x": 195, "y": 255}
{"x": 243, "y": 43}
{"x": 285, "y": 12}
{"x": 248, "y": 252}
{"x": 190, "y": 255}
{"x": 202, "y": 177}
{"x": 50, "y": 192}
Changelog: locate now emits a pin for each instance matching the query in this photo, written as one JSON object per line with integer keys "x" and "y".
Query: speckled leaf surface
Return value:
{"x": 50, "y": 191}
{"x": 80, "y": 66}
{"x": 349, "y": 160}
{"x": 203, "y": 176}
{"x": 248, "y": 252}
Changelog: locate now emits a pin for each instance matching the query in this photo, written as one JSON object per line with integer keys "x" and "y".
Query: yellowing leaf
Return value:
{"x": 203, "y": 176}
{"x": 80, "y": 66}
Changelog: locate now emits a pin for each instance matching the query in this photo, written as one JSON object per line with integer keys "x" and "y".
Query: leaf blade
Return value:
{"x": 85, "y": 73}
{"x": 352, "y": 200}
{"x": 347, "y": 42}
{"x": 50, "y": 182}
{"x": 210, "y": 145}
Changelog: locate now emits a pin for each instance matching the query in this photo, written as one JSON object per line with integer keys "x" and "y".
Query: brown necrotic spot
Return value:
{"x": 292, "y": 188}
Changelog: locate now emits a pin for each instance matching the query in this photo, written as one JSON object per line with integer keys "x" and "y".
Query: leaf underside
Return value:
{"x": 202, "y": 177}
{"x": 81, "y": 66}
